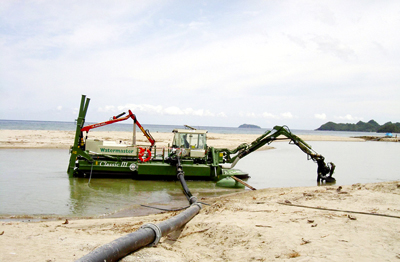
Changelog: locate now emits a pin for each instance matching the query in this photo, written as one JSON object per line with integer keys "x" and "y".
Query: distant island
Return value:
{"x": 370, "y": 126}
{"x": 248, "y": 126}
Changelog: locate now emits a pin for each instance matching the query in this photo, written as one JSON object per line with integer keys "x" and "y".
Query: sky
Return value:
{"x": 202, "y": 63}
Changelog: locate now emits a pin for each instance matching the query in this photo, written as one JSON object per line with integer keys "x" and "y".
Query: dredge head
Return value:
{"x": 325, "y": 171}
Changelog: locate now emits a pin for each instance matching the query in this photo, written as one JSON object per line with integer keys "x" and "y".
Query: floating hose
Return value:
{"x": 181, "y": 176}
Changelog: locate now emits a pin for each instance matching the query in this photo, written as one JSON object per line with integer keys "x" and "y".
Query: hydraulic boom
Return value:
{"x": 324, "y": 171}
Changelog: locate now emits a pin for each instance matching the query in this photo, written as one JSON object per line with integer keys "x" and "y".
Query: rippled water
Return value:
{"x": 34, "y": 181}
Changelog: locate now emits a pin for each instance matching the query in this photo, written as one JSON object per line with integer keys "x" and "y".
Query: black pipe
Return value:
{"x": 181, "y": 176}
{"x": 192, "y": 199}
{"x": 148, "y": 234}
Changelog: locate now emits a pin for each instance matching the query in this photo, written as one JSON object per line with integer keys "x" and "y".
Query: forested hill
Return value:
{"x": 248, "y": 126}
{"x": 370, "y": 126}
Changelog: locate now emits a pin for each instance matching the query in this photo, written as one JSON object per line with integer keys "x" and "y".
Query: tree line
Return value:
{"x": 370, "y": 126}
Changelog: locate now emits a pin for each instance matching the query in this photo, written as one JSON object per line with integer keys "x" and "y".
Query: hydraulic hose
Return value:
{"x": 148, "y": 234}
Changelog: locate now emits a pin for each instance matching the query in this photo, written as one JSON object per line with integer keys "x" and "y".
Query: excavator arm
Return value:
{"x": 324, "y": 170}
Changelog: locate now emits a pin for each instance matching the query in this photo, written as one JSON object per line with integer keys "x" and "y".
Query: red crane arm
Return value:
{"x": 118, "y": 118}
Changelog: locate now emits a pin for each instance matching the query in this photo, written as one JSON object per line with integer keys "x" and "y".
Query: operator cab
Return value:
{"x": 192, "y": 141}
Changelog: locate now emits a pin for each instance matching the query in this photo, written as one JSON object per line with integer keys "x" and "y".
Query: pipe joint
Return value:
{"x": 197, "y": 204}
{"x": 157, "y": 232}
{"x": 192, "y": 199}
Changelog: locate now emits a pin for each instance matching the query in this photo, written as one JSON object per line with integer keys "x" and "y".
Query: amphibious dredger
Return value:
{"x": 189, "y": 152}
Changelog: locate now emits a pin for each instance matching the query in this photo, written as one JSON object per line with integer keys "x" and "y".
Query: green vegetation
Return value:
{"x": 390, "y": 127}
{"x": 370, "y": 126}
{"x": 248, "y": 126}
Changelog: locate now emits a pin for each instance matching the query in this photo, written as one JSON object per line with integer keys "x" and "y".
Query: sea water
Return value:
{"x": 35, "y": 182}
{"x": 71, "y": 126}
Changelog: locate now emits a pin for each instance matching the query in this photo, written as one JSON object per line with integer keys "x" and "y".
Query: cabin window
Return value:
{"x": 193, "y": 141}
{"x": 202, "y": 141}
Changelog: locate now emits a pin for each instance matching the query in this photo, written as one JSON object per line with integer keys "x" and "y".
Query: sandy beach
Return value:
{"x": 277, "y": 224}
{"x": 64, "y": 139}
{"x": 359, "y": 222}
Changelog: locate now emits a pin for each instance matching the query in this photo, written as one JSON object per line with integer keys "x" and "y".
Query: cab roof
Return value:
{"x": 189, "y": 131}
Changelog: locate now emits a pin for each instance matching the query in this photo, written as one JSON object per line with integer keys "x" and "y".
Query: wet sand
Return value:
{"x": 360, "y": 222}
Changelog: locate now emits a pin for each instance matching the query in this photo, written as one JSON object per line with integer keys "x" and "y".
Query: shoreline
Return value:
{"x": 377, "y": 138}
{"x": 53, "y": 139}
{"x": 344, "y": 223}
{"x": 358, "y": 222}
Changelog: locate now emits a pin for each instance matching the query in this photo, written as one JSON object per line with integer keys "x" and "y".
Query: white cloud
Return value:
{"x": 287, "y": 115}
{"x": 320, "y": 116}
{"x": 151, "y": 109}
{"x": 189, "y": 59}
{"x": 269, "y": 115}
{"x": 59, "y": 108}
{"x": 248, "y": 114}
{"x": 75, "y": 111}
{"x": 208, "y": 113}
{"x": 173, "y": 110}
{"x": 348, "y": 117}
{"x": 160, "y": 110}
{"x": 329, "y": 45}
{"x": 107, "y": 109}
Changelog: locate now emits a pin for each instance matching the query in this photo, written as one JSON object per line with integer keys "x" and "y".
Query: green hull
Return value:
{"x": 148, "y": 170}
{"x": 96, "y": 158}
{"x": 152, "y": 170}
{"x": 229, "y": 183}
